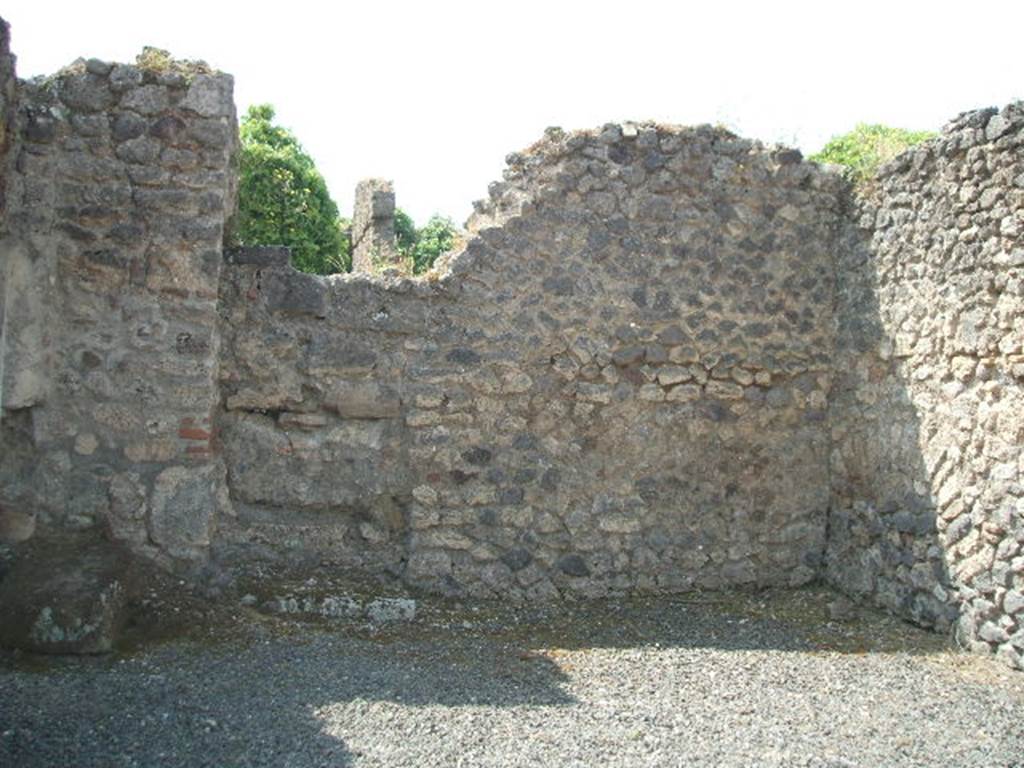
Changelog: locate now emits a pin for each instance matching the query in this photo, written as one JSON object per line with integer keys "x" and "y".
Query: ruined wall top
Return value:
{"x": 622, "y": 156}
{"x": 968, "y": 130}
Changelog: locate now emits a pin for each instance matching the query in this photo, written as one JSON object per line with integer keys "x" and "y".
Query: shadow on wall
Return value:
{"x": 927, "y": 517}
{"x": 883, "y": 543}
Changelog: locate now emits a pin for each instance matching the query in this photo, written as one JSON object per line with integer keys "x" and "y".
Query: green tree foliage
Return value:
{"x": 437, "y": 236}
{"x": 420, "y": 246}
{"x": 283, "y": 199}
{"x": 405, "y": 233}
{"x": 866, "y": 147}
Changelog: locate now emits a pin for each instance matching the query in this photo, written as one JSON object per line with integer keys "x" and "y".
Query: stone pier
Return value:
{"x": 373, "y": 227}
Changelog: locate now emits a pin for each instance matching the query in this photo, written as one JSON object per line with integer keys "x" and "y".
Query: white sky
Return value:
{"x": 434, "y": 94}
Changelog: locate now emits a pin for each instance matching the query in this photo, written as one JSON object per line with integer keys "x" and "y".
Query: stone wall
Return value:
{"x": 620, "y": 384}
{"x": 8, "y": 96}
{"x": 927, "y": 516}
{"x": 8, "y": 91}
{"x": 120, "y": 186}
{"x": 664, "y": 358}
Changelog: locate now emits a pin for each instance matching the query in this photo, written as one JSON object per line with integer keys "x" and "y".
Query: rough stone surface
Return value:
{"x": 927, "y": 416}
{"x": 117, "y": 199}
{"x": 664, "y": 358}
{"x": 8, "y": 107}
{"x": 620, "y": 387}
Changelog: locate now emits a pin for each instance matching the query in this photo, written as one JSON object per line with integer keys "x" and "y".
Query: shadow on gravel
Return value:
{"x": 265, "y": 703}
{"x": 283, "y": 693}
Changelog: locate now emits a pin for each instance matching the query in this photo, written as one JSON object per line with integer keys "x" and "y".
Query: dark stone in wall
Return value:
{"x": 573, "y": 565}
{"x": 294, "y": 293}
{"x": 258, "y": 255}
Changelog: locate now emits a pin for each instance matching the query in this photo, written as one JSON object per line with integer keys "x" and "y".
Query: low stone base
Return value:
{"x": 66, "y": 597}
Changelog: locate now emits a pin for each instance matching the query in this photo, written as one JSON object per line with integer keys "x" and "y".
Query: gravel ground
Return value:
{"x": 722, "y": 680}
